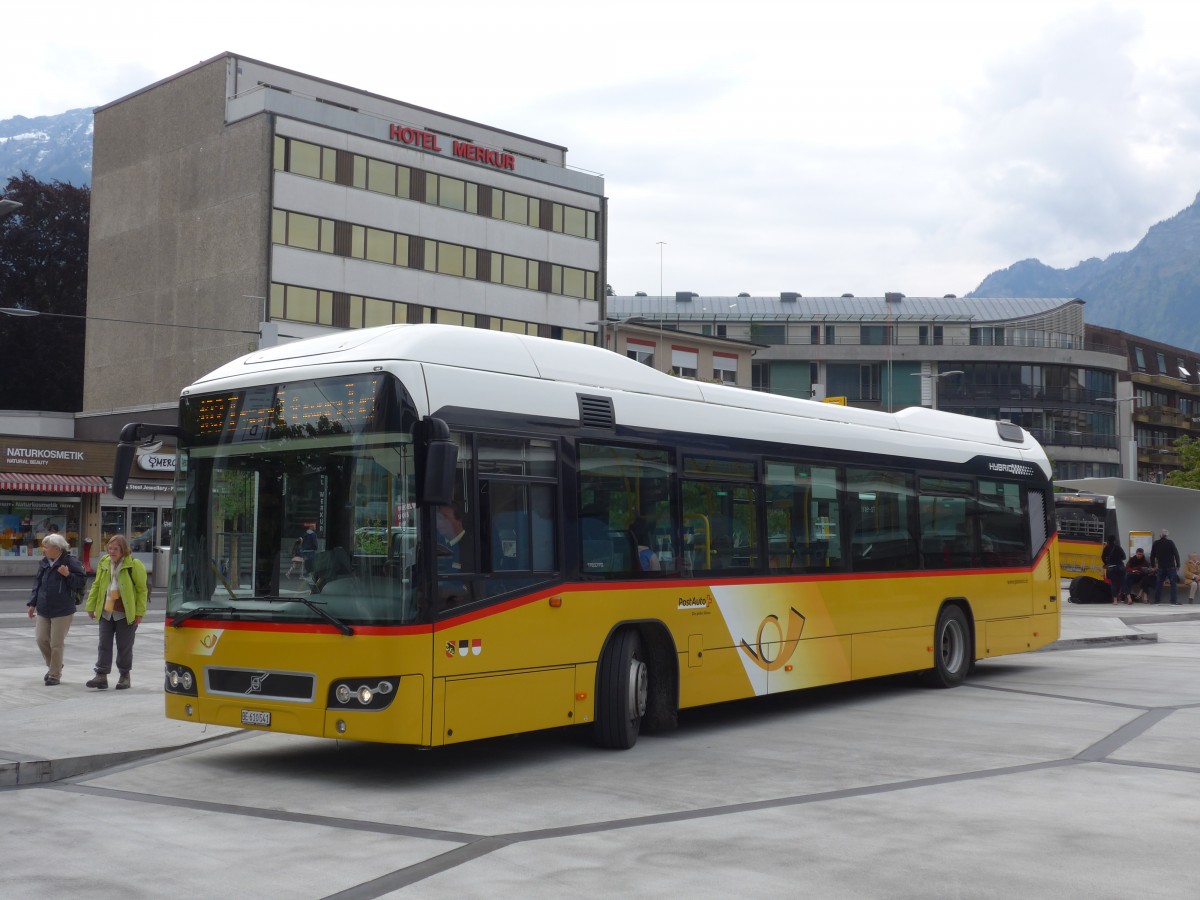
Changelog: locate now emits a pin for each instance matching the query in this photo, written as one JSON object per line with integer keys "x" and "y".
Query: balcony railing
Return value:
{"x": 1067, "y": 439}
{"x": 770, "y": 335}
{"x": 971, "y": 394}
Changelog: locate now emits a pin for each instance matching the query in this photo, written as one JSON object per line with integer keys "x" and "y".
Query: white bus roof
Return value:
{"x": 585, "y": 367}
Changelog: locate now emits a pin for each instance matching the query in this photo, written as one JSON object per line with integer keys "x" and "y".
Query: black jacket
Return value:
{"x": 52, "y": 594}
{"x": 1112, "y": 555}
{"x": 1163, "y": 554}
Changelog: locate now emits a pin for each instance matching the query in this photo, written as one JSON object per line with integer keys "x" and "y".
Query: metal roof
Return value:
{"x": 836, "y": 309}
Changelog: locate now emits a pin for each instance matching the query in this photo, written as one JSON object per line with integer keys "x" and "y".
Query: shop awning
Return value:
{"x": 54, "y": 484}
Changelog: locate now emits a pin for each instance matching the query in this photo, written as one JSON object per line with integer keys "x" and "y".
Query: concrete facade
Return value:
{"x": 179, "y": 236}
{"x": 199, "y": 195}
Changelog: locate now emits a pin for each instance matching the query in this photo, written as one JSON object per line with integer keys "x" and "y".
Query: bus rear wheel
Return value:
{"x": 622, "y": 686}
{"x": 952, "y": 656}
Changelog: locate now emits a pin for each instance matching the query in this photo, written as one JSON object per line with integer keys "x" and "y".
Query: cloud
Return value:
{"x": 1065, "y": 146}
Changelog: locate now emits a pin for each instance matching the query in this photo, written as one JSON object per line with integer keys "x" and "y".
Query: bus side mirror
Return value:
{"x": 437, "y": 463}
{"x": 124, "y": 463}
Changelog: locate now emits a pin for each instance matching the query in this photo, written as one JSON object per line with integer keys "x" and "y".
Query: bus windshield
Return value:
{"x": 296, "y": 503}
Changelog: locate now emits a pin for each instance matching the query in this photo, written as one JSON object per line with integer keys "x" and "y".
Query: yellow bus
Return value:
{"x": 1084, "y": 520}
{"x": 425, "y": 534}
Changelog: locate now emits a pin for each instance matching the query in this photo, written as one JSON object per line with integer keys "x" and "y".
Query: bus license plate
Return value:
{"x": 255, "y": 717}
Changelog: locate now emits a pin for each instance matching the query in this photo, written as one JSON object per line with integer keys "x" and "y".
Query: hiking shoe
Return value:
{"x": 51, "y": 680}
{"x": 100, "y": 682}
{"x": 123, "y": 682}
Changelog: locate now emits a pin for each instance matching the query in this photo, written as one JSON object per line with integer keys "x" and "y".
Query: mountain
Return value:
{"x": 1152, "y": 290}
{"x": 50, "y": 148}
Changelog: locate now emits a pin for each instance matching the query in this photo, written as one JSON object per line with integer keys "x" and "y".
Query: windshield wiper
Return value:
{"x": 192, "y": 613}
{"x": 315, "y": 607}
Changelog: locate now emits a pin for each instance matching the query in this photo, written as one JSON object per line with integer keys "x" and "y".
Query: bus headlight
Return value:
{"x": 371, "y": 693}
{"x": 179, "y": 679}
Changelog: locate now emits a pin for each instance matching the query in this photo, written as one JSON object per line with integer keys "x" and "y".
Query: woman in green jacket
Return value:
{"x": 118, "y": 600}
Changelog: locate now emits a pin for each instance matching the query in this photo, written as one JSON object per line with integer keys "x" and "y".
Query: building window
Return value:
{"x": 768, "y": 334}
{"x": 724, "y": 368}
{"x": 684, "y": 361}
{"x": 640, "y": 351}
{"x": 313, "y": 161}
{"x": 930, "y": 334}
{"x": 875, "y": 335}
{"x": 760, "y": 377}
{"x": 814, "y": 334}
{"x": 303, "y": 304}
{"x": 1140, "y": 358}
{"x": 987, "y": 337}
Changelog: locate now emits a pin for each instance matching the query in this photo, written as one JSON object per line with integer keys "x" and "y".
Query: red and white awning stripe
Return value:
{"x": 53, "y": 484}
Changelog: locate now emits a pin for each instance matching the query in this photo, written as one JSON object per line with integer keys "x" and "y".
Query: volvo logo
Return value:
{"x": 256, "y": 683}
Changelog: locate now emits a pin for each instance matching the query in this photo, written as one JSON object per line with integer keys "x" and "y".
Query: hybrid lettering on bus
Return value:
{"x": 516, "y": 534}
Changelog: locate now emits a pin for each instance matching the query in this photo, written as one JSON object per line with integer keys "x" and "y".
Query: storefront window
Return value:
{"x": 143, "y": 529}
{"x": 24, "y": 522}
{"x": 112, "y": 521}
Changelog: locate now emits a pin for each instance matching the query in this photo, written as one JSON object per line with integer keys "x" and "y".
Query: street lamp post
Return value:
{"x": 1126, "y": 455}
{"x": 661, "y": 244}
{"x": 933, "y": 378}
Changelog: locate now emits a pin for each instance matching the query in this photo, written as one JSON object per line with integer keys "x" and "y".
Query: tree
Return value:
{"x": 43, "y": 267}
{"x": 1189, "y": 456}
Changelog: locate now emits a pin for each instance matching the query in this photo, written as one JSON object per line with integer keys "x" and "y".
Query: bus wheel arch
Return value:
{"x": 953, "y": 645}
{"x": 636, "y": 685}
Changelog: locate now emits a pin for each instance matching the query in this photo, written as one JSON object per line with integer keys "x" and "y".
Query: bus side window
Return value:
{"x": 619, "y": 486}
{"x": 949, "y": 523}
{"x": 882, "y": 537}
{"x": 1002, "y": 523}
{"x": 803, "y": 517}
{"x": 518, "y": 479}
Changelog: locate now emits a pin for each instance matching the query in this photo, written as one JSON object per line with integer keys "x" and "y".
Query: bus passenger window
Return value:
{"x": 618, "y": 486}
{"x": 455, "y": 551}
{"x": 949, "y": 523}
{"x": 803, "y": 517}
{"x": 517, "y": 506}
{"x": 881, "y": 538}
{"x": 1002, "y": 523}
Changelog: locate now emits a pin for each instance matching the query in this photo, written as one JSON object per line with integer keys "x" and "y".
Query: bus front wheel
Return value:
{"x": 622, "y": 686}
{"x": 952, "y": 656}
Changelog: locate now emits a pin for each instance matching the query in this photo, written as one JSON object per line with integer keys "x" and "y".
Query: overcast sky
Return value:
{"x": 842, "y": 146}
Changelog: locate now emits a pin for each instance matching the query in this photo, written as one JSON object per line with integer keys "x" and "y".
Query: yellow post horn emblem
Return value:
{"x": 760, "y": 654}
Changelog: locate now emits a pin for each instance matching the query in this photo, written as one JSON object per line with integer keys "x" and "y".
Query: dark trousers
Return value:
{"x": 123, "y": 633}
{"x": 1166, "y": 573}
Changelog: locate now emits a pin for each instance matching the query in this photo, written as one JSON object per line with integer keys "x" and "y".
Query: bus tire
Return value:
{"x": 622, "y": 686}
{"x": 952, "y": 652}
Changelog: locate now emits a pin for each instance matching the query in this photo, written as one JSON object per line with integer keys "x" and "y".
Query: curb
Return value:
{"x": 45, "y": 771}
{"x": 1103, "y": 640}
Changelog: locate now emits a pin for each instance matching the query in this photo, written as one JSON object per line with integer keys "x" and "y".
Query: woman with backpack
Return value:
{"x": 59, "y": 578}
{"x": 118, "y": 601}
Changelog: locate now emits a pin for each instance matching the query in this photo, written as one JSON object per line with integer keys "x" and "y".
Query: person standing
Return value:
{"x": 118, "y": 600}
{"x": 1165, "y": 557}
{"x": 1112, "y": 557}
{"x": 52, "y": 600}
